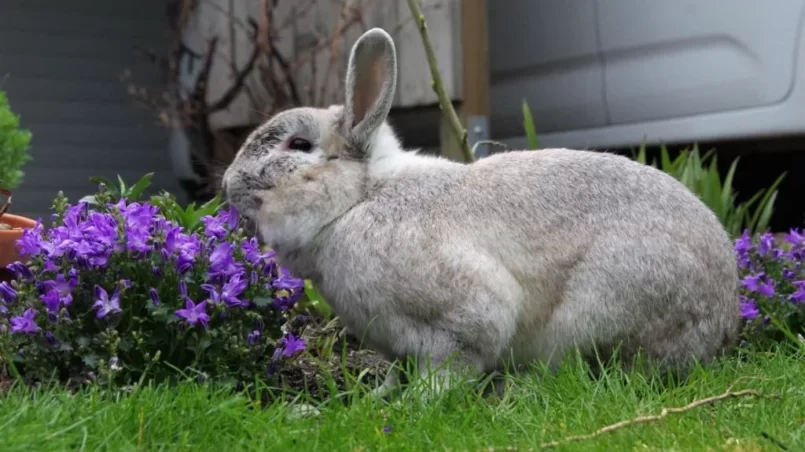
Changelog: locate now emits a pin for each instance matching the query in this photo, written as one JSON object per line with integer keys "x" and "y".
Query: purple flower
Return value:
{"x": 232, "y": 289}
{"x": 799, "y": 295}
{"x": 137, "y": 240}
{"x": 251, "y": 251}
{"x": 749, "y": 309}
{"x": 183, "y": 288}
{"x": 285, "y": 302}
{"x": 21, "y": 270}
{"x": 152, "y": 292}
{"x": 231, "y": 216}
{"x": 759, "y": 283}
{"x": 291, "y": 345}
{"x": 63, "y": 288}
{"x": 183, "y": 246}
{"x": 194, "y": 313}
{"x": 286, "y": 282}
{"x": 743, "y": 244}
{"x": 795, "y": 238}
{"x": 51, "y": 339}
{"x": 104, "y": 304}
{"x": 7, "y": 293}
{"x": 102, "y": 228}
{"x": 52, "y": 301}
{"x": 229, "y": 293}
{"x": 766, "y": 243}
{"x": 253, "y": 337}
{"x": 139, "y": 216}
{"x": 25, "y": 323}
{"x": 30, "y": 244}
{"x": 222, "y": 260}
{"x": 184, "y": 263}
{"x": 214, "y": 226}
{"x": 788, "y": 274}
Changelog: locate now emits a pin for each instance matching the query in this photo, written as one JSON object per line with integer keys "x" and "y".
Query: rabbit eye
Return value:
{"x": 300, "y": 144}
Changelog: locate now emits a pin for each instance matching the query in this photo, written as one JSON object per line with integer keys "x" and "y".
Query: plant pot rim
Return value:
{"x": 15, "y": 221}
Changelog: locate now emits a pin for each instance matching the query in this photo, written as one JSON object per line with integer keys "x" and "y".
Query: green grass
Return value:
{"x": 534, "y": 410}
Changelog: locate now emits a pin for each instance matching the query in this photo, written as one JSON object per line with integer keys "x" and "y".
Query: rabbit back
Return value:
{"x": 529, "y": 253}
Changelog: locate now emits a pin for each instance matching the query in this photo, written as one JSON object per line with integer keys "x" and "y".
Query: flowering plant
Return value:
{"x": 772, "y": 293}
{"x": 120, "y": 291}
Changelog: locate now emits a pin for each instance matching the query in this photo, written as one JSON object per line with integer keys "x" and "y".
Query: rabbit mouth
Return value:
{"x": 247, "y": 205}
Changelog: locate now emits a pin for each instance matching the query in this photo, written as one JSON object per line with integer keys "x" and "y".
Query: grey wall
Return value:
{"x": 63, "y": 61}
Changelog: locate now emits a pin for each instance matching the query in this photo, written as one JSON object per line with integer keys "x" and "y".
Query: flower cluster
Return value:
{"x": 772, "y": 291}
{"x": 122, "y": 283}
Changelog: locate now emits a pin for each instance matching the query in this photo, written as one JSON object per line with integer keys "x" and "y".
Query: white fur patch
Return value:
{"x": 388, "y": 158}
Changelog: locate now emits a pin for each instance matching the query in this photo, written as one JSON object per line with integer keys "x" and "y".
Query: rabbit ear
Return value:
{"x": 371, "y": 81}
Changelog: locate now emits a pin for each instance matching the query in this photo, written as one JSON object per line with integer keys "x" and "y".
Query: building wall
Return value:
{"x": 62, "y": 63}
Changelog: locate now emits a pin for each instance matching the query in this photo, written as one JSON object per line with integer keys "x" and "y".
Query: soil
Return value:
{"x": 313, "y": 373}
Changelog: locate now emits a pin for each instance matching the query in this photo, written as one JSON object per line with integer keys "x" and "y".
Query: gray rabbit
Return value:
{"x": 520, "y": 256}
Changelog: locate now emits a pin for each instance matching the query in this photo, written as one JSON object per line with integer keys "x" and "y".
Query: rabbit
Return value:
{"x": 519, "y": 257}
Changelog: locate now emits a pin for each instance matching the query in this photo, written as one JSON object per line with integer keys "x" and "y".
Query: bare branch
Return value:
{"x": 655, "y": 418}
{"x": 438, "y": 85}
{"x": 240, "y": 79}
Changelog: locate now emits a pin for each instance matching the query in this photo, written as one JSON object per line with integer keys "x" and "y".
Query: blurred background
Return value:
{"x": 172, "y": 87}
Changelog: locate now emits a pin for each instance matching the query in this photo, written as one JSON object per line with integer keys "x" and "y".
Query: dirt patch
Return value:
{"x": 334, "y": 357}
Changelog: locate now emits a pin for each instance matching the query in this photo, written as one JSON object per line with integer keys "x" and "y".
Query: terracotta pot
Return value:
{"x": 8, "y": 239}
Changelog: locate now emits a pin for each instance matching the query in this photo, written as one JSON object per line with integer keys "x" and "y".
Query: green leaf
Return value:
{"x": 262, "y": 302}
{"x": 762, "y": 223}
{"x": 89, "y": 199}
{"x": 90, "y": 360}
{"x": 726, "y": 193}
{"x": 530, "y": 129}
{"x": 137, "y": 189}
{"x": 641, "y": 154}
{"x": 768, "y": 198}
{"x": 122, "y": 186}
{"x": 665, "y": 161}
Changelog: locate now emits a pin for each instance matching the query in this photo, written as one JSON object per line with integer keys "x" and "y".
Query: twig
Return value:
{"x": 240, "y": 80}
{"x": 729, "y": 394}
{"x": 490, "y": 142}
{"x": 438, "y": 86}
{"x": 7, "y": 203}
{"x": 335, "y": 47}
{"x": 653, "y": 418}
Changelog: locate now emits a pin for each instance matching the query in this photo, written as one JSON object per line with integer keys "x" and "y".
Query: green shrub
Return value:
{"x": 13, "y": 146}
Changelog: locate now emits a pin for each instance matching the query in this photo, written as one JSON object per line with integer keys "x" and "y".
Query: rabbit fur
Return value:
{"x": 520, "y": 256}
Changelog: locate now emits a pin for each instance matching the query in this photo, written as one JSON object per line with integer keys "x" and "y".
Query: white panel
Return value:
{"x": 63, "y": 61}
{"x": 666, "y": 59}
{"x": 545, "y": 52}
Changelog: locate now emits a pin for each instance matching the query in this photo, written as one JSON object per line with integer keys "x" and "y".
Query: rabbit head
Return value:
{"x": 305, "y": 166}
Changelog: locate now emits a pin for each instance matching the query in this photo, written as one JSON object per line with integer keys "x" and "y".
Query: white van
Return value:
{"x": 612, "y": 73}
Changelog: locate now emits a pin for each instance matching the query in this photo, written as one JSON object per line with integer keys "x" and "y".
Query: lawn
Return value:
{"x": 533, "y": 410}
